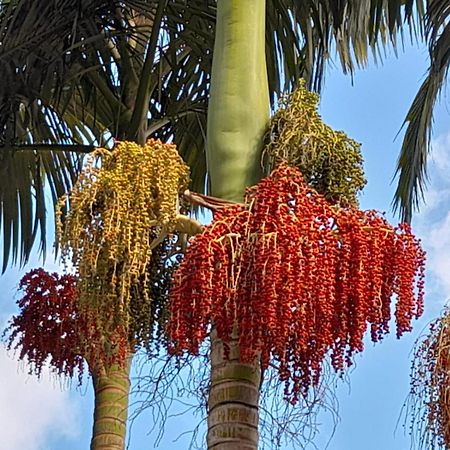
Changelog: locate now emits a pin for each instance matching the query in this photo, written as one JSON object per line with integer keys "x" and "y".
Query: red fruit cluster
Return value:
{"x": 45, "y": 331}
{"x": 51, "y": 329}
{"x": 298, "y": 278}
{"x": 429, "y": 405}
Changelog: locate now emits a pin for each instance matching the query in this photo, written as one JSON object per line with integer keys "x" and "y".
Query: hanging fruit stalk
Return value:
{"x": 47, "y": 328}
{"x": 329, "y": 160}
{"x": 294, "y": 279}
{"x": 50, "y": 330}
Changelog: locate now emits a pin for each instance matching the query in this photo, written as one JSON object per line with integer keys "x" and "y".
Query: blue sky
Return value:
{"x": 43, "y": 415}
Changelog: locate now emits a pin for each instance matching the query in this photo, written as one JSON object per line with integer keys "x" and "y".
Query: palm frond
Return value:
{"x": 308, "y": 33}
{"x": 59, "y": 98}
{"x": 412, "y": 162}
{"x": 27, "y": 177}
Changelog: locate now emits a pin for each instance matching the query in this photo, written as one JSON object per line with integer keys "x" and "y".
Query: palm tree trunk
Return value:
{"x": 111, "y": 389}
{"x": 237, "y": 119}
{"x": 238, "y": 112}
{"x": 233, "y": 400}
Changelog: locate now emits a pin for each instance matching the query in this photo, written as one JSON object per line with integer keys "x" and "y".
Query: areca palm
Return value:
{"x": 88, "y": 72}
{"x": 237, "y": 119}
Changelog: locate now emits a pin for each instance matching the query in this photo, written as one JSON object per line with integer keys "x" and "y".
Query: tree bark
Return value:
{"x": 111, "y": 390}
{"x": 233, "y": 400}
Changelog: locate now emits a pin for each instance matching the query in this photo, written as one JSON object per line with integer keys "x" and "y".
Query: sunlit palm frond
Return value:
{"x": 308, "y": 33}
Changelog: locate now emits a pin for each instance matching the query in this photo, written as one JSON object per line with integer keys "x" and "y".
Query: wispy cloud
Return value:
{"x": 33, "y": 411}
{"x": 433, "y": 222}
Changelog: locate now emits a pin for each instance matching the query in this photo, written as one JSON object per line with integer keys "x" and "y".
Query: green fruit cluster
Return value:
{"x": 329, "y": 160}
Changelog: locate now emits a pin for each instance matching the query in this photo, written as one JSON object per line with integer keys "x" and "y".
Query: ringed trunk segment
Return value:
{"x": 111, "y": 390}
{"x": 233, "y": 400}
{"x": 238, "y": 112}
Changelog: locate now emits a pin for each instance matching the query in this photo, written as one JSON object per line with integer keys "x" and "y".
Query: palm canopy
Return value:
{"x": 78, "y": 73}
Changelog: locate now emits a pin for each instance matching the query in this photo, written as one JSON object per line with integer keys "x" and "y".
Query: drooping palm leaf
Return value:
{"x": 23, "y": 175}
{"x": 308, "y": 33}
{"x": 32, "y": 86}
{"x": 58, "y": 97}
{"x": 412, "y": 163}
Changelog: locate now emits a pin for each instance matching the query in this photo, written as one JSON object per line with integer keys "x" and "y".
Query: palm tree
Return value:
{"x": 237, "y": 119}
{"x": 81, "y": 74}
{"x": 77, "y": 78}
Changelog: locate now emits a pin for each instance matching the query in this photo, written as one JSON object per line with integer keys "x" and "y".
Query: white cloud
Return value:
{"x": 433, "y": 222}
{"x": 32, "y": 411}
{"x": 440, "y": 147}
{"x": 437, "y": 243}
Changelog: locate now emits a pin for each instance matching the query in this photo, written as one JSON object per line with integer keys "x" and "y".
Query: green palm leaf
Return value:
{"x": 412, "y": 163}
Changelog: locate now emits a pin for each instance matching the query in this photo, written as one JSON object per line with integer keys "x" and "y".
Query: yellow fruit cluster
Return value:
{"x": 123, "y": 201}
{"x": 329, "y": 160}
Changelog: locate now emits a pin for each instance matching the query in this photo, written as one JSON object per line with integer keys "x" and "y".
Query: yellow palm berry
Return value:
{"x": 122, "y": 201}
